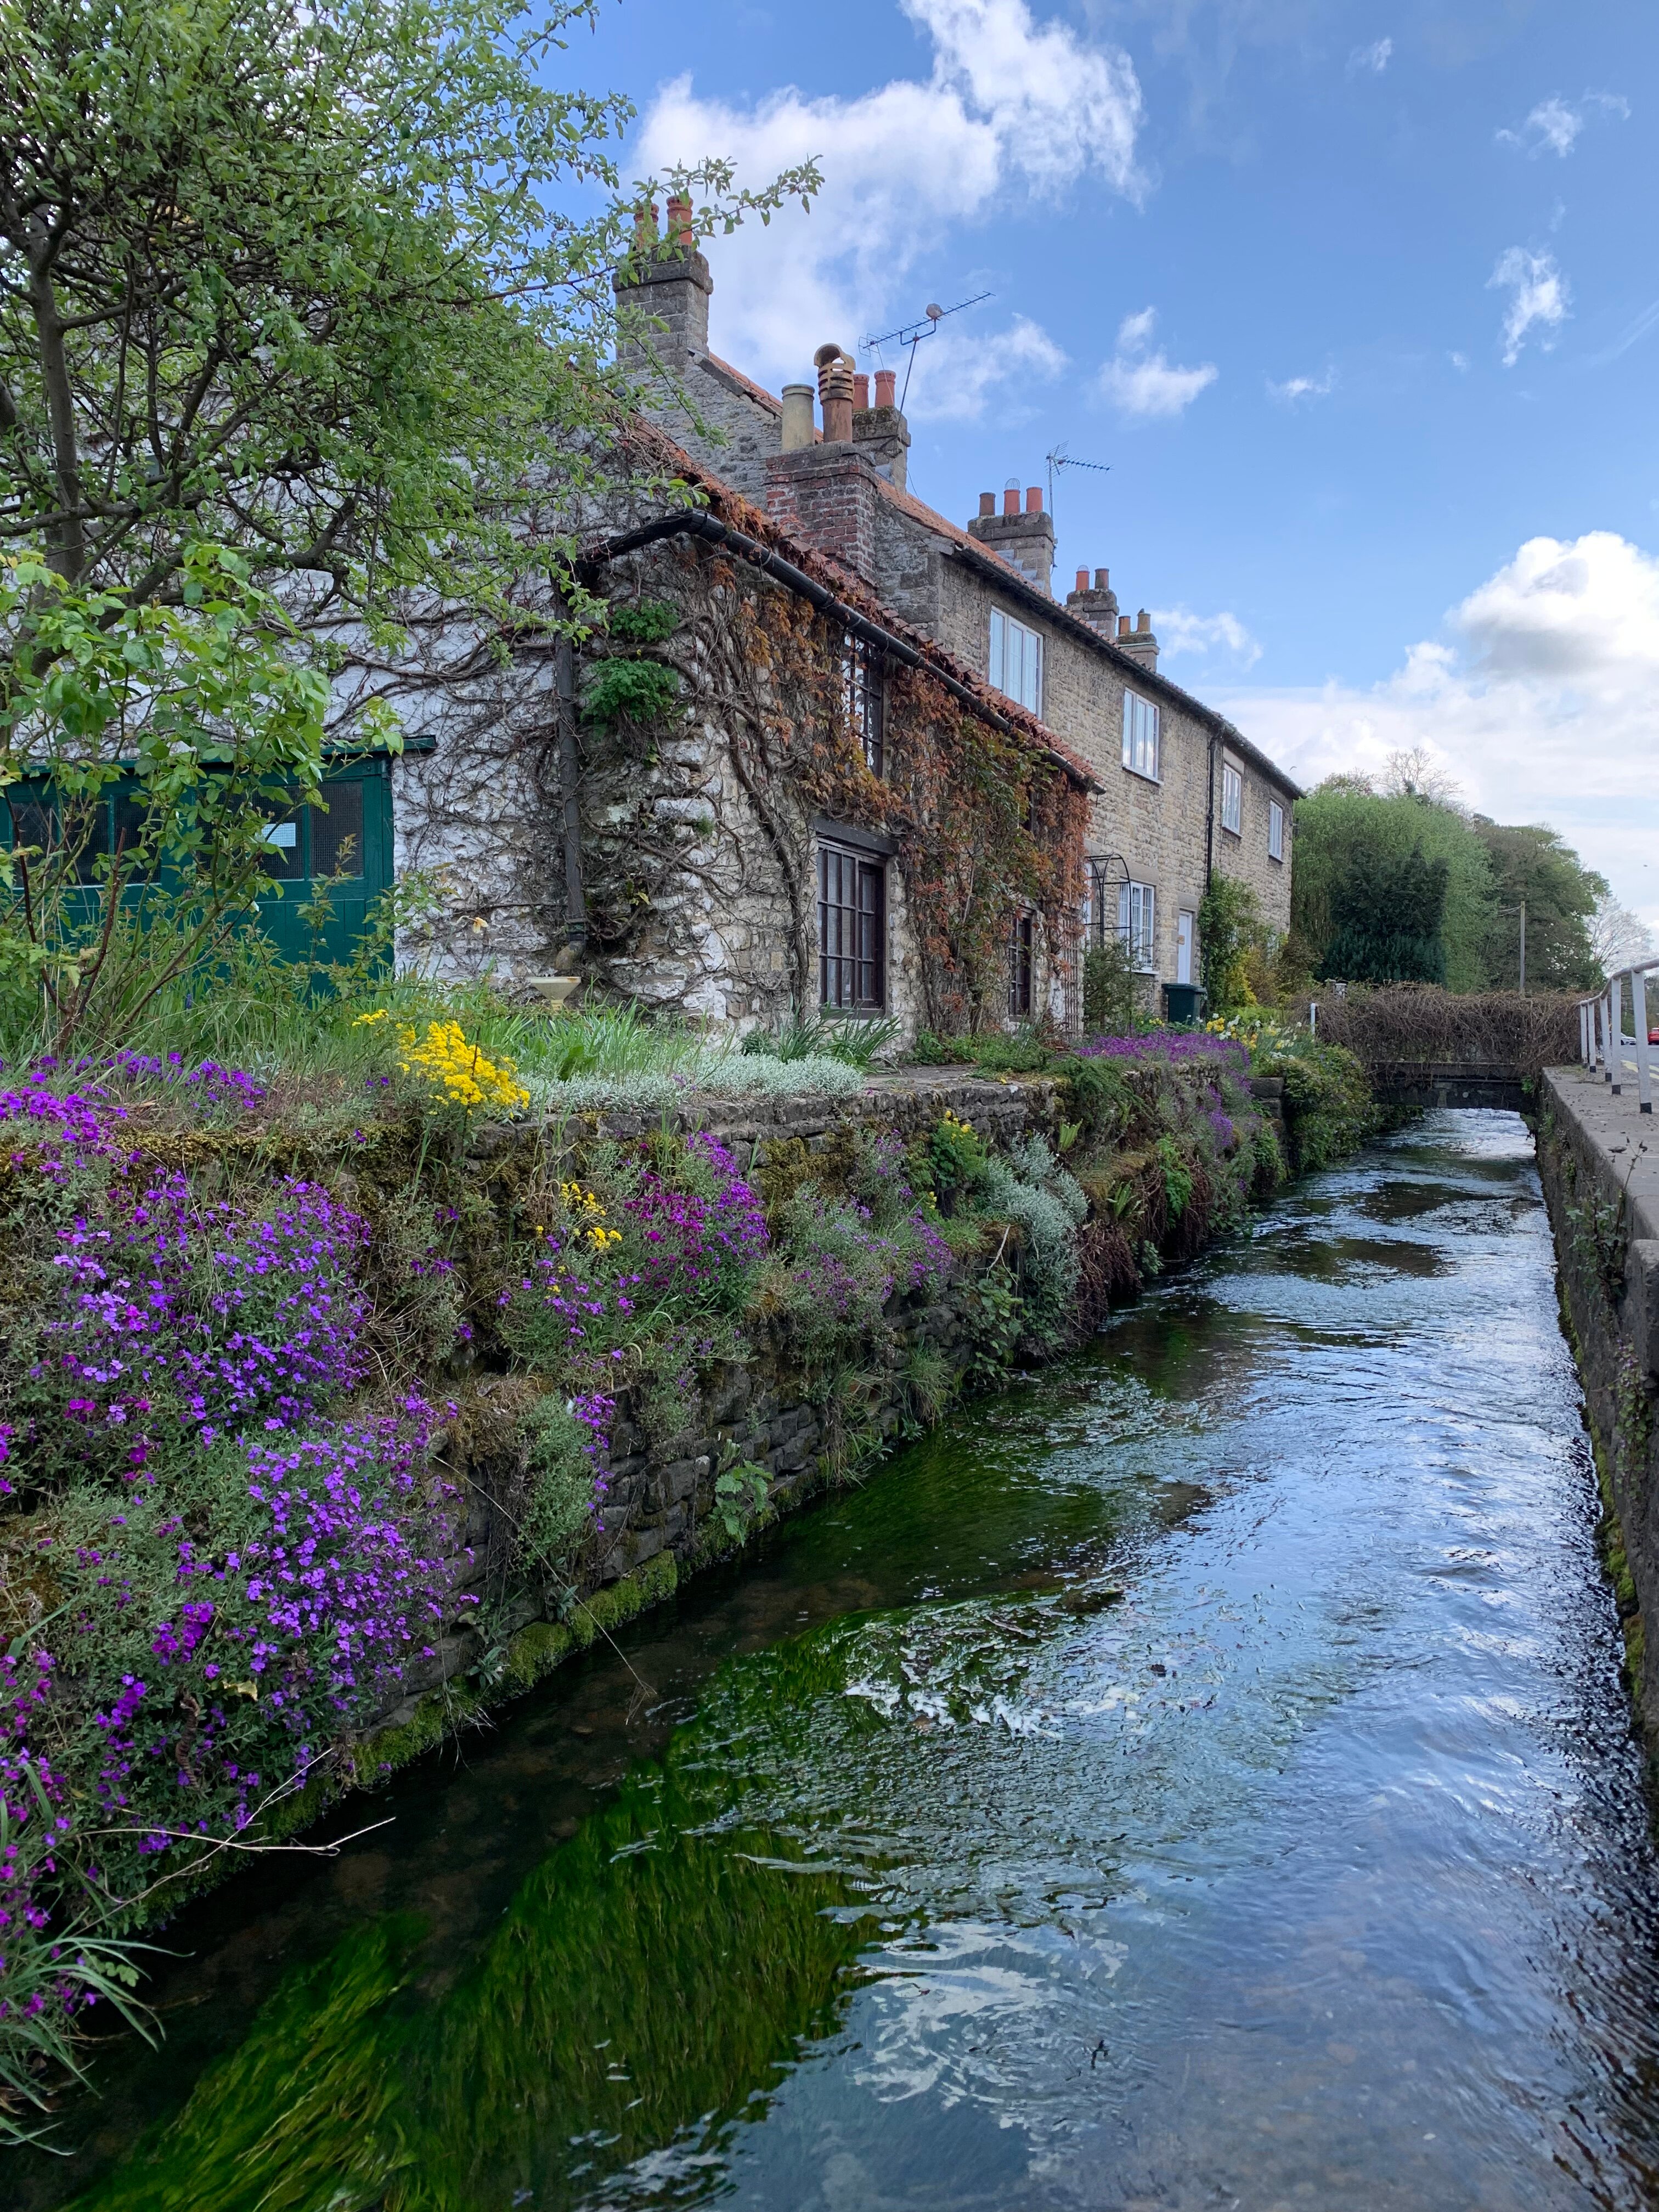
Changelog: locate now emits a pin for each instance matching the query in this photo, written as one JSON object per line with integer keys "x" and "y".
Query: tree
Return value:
{"x": 1387, "y": 889}
{"x": 1617, "y": 937}
{"x": 301, "y": 345}
{"x": 304, "y": 282}
{"x": 1229, "y": 924}
{"x": 1413, "y": 772}
{"x": 1532, "y": 866}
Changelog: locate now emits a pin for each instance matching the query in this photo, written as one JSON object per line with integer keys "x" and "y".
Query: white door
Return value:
{"x": 1184, "y": 925}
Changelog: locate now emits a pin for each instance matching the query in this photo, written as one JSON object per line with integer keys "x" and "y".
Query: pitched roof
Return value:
{"x": 963, "y": 546}
{"x": 731, "y": 505}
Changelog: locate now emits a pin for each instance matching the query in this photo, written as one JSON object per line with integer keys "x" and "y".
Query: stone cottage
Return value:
{"x": 1180, "y": 796}
{"x": 759, "y": 789}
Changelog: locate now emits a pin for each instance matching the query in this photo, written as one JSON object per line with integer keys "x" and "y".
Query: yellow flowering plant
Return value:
{"x": 456, "y": 1069}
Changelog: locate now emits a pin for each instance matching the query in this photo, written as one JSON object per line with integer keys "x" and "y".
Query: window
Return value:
{"x": 1021, "y": 946}
{"x": 1140, "y": 735}
{"x": 852, "y": 930}
{"x": 1232, "y": 800}
{"x": 861, "y": 697}
{"x": 1015, "y": 667}
{"x": 1137, "y": 923}
{"x": 1275, "y": 830}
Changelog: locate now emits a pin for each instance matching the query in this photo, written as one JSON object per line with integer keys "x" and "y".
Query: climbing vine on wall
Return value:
{"x": 986, "y": 824}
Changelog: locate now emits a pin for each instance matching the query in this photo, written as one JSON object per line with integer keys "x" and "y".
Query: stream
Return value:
{"x": 1199, "y": 1777}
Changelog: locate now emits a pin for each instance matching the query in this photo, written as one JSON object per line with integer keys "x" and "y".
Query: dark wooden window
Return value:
{"x": 1021, "y": 946}
{"x": 852, "y": 930}
{"x": 861, "y": 698}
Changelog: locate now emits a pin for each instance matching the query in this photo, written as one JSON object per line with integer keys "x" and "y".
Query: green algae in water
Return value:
{"x": 648, "y": 1970}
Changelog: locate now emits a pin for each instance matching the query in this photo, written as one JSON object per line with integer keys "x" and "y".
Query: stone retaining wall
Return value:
{"x": 659, "y": 1510}
{"x": 1598, "y": 1157}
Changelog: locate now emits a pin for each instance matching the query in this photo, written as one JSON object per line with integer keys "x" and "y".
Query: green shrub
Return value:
{"x": 1111, "y": 989}
{"x": 1329, "y": 1111}
{"x": 629, "y": 691}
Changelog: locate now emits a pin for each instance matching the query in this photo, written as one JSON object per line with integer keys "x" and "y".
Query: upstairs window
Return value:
{"x": 1022, "y": 945}
{"x": 1137, "y": 924}
{"x": 1275, "y": 830}
{"x": 1015, "y": 668}
{"x": 1232, "y": 800}
{"x": 852, "y": 931}
{"x": 1140, "y": 735}
{"x": 862, "y": 699}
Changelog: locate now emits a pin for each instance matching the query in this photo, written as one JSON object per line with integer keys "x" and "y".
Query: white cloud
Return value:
{"x": 1180, "y": 630}
{"x": 1459, "y": 361}
{"x": 1539, "y": 298}
{"x": 1374, "y": 58}
{"x": 958, "y": 374}
{"x": 1146, "y": 384}
{"x": 1302, "y": 388}
{"x": 1542, "y": 709}
{"x": 1553, "y": 126}
{"x": 1012, "y": 111}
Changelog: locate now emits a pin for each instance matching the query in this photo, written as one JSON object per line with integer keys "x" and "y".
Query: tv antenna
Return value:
{"x": 1058, "y": 457}
{"x": 912, "y": 334}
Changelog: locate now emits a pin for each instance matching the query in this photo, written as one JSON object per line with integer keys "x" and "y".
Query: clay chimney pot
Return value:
{"x": 885, "y": 381}
{"x": 1103, "y": 580}
{"x": 1011, "y": 501}
{"x": 1083, "y": 580}
{"x": 1143, "y": 621}
{"x": 988, "y": 502}
{"x": 679, "y": 224}
{"x": 1123, "y": 625}
{"x": 1034, "y": 499}
{"x": 861, "y": 393}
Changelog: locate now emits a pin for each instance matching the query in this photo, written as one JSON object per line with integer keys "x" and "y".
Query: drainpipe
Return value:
{"x": 575, "y": 896}
{"x": 1209, "y": 817}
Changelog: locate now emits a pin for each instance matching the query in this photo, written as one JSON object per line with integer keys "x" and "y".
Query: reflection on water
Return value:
{"x": 1199, "y": 1779}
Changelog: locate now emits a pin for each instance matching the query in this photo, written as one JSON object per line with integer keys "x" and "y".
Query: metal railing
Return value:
{"x": 1601, "y": 1038}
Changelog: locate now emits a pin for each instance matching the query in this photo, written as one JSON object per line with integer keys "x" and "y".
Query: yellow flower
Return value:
{"x": 459, "y": 1069}
{"x": 363, "y": 1020}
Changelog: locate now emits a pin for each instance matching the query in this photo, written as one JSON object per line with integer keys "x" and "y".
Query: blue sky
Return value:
{"x": 1359, "y": 301}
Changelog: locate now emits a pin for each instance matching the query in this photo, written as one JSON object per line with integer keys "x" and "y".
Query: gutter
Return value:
{"x": 716, "y": 532}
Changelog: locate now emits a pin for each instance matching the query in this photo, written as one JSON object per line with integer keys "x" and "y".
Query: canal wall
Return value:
{"x": 663, "y": 1517}
{"x": 1598, "y": 1159}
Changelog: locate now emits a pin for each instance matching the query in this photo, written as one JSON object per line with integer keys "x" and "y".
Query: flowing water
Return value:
{"x": 1198, "y": 1778}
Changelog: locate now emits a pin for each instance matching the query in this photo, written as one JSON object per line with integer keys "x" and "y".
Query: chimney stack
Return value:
{"x": 881, "y": 432}
{"x": 1098, "y": 607}
{"x": 667, "y": 282}
{"x": 1023, "y": 534}
{"x": 1139, "y": 643}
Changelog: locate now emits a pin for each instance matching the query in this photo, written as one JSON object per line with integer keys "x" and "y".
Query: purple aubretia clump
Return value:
{"x": 227, "y": 1318}
{"x": 699, "y": 1243}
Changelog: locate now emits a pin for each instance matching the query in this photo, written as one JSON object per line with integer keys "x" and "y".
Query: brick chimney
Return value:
{"x": 667, "y": 282}
{"x": 1096, "y": 605}
{"x": 1024, "y": 537}
{"x": 881, "y": 431}
{"x": 825, "y": 495}
{"x": 1139, "y": 643}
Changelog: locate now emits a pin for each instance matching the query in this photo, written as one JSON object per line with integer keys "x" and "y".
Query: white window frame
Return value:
{"x": 1142, "y": 738}
{"x": 1232, "y": 799}
{"x": 1275, "y": 830}
{"x": 1137, "y": 924}
{"x": 1015, "y": 664}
